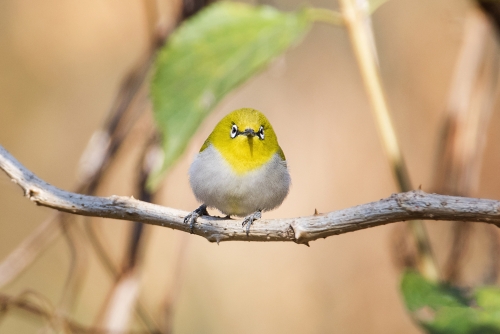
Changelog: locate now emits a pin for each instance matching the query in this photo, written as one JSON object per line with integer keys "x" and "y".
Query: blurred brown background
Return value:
{"x": 61, "y": 65}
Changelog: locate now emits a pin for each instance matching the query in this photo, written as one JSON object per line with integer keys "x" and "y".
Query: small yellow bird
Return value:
{"x": 240, "y": 169}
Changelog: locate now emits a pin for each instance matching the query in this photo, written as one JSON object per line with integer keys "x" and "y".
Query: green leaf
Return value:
{"x": 462, "y": 320}
{"x": 418, "y": 293}
{"x": 488, "y": 297}
{"x": 207, "y": 57}
{"x": 443, "y": 309}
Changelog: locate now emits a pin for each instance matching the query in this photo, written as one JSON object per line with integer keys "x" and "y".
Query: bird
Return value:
{"x": 240, "y": 169}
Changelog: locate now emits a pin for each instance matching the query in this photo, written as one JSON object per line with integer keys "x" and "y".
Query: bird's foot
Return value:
{"x": 250, "y": 218}
{"x": 191, "y": 217}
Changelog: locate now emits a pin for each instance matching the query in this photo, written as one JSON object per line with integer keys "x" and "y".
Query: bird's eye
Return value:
{"x": 261, "y": 132}
{"x": 234, "y": 131}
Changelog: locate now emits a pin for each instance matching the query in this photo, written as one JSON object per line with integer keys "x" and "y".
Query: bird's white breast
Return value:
{"x": 216, "y": 184}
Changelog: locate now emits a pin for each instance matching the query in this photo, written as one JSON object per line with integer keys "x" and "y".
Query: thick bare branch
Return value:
{"x": 397, "y": 207}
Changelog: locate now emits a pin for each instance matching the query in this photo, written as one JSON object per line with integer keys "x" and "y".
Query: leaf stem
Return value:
{"x": 323, "y": 15}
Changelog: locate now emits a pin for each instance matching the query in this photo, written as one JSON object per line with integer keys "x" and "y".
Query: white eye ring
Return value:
{"x": 234, "y": 131}
{"x": 261, "y": 132}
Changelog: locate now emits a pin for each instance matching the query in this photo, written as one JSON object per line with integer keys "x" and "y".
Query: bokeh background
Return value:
{"x": 61, "y": 67}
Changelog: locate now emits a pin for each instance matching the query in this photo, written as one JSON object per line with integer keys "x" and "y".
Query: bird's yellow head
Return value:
{"x": 245, "y": 139}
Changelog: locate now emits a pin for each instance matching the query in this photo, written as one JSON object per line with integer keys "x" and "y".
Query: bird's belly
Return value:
{"x": 217, "y": 185}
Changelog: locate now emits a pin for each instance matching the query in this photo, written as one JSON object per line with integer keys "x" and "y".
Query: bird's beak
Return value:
{"x": 249, "y": 133}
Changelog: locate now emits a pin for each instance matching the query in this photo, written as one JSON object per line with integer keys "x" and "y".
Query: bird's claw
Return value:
{"x": 192, "y": 216}
{"x": 249, "y": 220}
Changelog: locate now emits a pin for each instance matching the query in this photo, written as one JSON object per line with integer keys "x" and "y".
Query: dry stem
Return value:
{"x": 355, "y": 18}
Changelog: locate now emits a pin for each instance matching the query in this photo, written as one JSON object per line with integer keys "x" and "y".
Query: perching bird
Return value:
{"x": 240, "y": 169}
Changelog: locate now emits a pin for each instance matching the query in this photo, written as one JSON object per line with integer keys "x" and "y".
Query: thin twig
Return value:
{"x": 468, "y": 113}
{"x": 398, "y": 207}
{"x": 78, "y": 267}
{"x": 31, "y": 247}
{"x": 174, "y": 287}
{"x": 364, "y": 48}
{"x": 324, "y": 16}
{"x": 148, "y": 160}
{"x": 25, "y": 303}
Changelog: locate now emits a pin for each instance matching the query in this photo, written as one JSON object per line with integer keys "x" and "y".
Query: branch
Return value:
{"x": 398, "y": 207}
{"x": 58, "y": 322}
